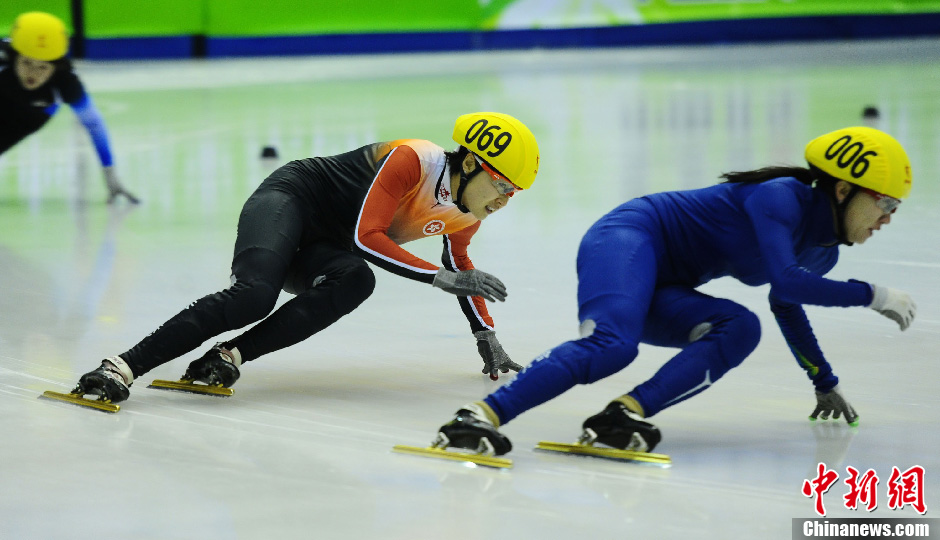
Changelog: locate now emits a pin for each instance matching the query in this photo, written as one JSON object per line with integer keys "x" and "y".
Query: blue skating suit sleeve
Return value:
{"x": 778, "y": 213}
{"x": 90, "y": 118}
{"x": 800, "y": 338}
{"x": 775, "y": 209}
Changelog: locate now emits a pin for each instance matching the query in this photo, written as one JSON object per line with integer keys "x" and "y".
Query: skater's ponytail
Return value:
{"x": 807, "y": 176}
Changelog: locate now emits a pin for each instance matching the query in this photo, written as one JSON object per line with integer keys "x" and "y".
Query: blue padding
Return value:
{"x": 139, "y": 47}
{"x": 682, "y": 33}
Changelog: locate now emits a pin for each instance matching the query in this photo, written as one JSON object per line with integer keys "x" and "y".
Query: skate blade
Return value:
{"x": 183, "y": 385}
{"x": 81, "y": 401}
{"x": 609, "y": 453}
{"x": 479, "y": 459}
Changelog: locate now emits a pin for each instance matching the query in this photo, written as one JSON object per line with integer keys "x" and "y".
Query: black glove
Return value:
{"x": 470, "y": 283}
{"x": 834, "y": 403}
{"x": 495, "y": 358}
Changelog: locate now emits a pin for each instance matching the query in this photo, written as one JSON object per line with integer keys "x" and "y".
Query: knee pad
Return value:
{"x": 249, "y": 301}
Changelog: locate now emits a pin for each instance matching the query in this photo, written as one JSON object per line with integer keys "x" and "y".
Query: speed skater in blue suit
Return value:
{"x": 640, "y": 265}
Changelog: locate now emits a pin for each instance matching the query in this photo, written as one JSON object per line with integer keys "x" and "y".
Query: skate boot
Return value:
{"x": 218, "y": 367}
{"x": 472, "y": 429}
{"x": 619, "y": 427}
{"x": 109, "y": 382}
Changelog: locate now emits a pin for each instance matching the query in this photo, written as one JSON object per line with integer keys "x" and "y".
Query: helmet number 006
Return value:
{"x": 483, "y": 133}
{"x": 845, "y": 153}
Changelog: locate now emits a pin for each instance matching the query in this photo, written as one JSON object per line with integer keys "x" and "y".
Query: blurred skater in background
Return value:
{"x": 312, "y": 225}
{"x": 35, "y": 76}
{"x": 639, "y": 267}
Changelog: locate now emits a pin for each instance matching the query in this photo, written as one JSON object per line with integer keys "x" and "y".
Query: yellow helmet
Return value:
{"x": 39, "y": 35}
{"x": 501, "y": 141}
{"x": 865, "y": 157}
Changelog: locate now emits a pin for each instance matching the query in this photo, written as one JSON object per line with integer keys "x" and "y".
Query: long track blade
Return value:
{"x": 191, "y": 387}
{"x": 78, "y": 399}
{"x": 609, "y": 453}
{"x": 479, "y": 459}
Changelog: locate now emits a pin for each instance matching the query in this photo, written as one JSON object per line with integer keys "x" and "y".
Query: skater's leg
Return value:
{"x": 715, "y": 335}
{"x": 269, "y": 232}
{"x": 330, "y": 282}
{"x": 17, "y": 125}
{"x": 616, "y": 278}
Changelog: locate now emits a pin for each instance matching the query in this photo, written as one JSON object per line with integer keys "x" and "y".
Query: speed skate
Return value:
{"x": 585, "y": 447}
{"x": 192, "y": 387}
{"x": 77, "y": 398}
{"x": 483, "y": 455}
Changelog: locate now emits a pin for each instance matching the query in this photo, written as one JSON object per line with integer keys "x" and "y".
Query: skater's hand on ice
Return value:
{"x": 115, "y": 187}
{"x": 495, "y": 358}
{"x": 470, "y": 283}
{"x": 893, "y": 304}
{"x": 834, "y": 403}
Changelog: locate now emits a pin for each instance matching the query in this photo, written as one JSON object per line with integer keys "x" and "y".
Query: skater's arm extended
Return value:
{"x": 793, "y": 323}
{"x": 776, "y": 212}
{"x": 456, "y": 259}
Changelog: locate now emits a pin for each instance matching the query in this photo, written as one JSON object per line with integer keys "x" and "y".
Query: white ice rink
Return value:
{"x": 303, "y": 448}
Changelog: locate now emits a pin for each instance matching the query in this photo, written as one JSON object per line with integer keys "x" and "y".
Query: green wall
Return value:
{"x": 120, "y": 18}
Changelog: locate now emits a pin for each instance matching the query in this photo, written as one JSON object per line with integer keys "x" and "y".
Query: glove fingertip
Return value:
{"x": 812, "y": 418}
{"x": 494, "y": 377}
{"x": 854, "y": 424}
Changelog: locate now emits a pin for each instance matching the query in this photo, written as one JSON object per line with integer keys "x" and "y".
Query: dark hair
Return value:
{"x": 807, "y": 176}
{"x": 812, "y": 176}
{"x": 455, "y": 158}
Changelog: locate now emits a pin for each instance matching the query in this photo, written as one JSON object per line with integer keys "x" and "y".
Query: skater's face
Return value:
{"x": 484, "y": 193}
{"x": 867, "y": 212}
{"x": 33, "y": 73}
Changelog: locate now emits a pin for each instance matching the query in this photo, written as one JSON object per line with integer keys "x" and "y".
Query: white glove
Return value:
{"x": 893, "y": 304}
{"x": 115, "y": 187}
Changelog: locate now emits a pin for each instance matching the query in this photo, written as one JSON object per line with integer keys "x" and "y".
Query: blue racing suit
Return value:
{"x": 638, "y": 269}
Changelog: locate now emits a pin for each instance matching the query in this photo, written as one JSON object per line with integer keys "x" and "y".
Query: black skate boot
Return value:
{"x": 218, "y": 367}
{"x": 110, "y": 381}
{"x": 472, "y": 430}
{"x": 619, "y": 427}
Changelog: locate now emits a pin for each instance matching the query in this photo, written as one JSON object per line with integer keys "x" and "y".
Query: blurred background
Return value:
{"x": 626, "y": 97}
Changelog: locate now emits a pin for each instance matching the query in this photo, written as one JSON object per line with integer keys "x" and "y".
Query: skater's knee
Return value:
{"x": 604, "y": 354}
{"x": 250, "y": 301}
{"x": 739, "y": 334}
{"x": 744, "y": 333}
{"x": 359, "y": 283}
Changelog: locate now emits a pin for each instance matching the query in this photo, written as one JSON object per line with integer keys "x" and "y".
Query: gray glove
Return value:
{"x": 470, "y": 283}
{"x": 495, "y": 358}
{"x": 834, "y": 403}
{"x": 893, "y": 304}
{"x": 115, "y": 187}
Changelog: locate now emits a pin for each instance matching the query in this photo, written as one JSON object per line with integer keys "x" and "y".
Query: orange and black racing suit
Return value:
{"x": 308, "y": 229}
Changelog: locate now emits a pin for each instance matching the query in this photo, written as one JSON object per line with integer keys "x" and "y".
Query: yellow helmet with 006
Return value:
{"x": 863, "y": 156}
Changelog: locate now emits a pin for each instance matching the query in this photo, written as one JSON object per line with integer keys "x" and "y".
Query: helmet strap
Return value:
{"x": 464, "y": 180}
{"x": 840, "y": 215}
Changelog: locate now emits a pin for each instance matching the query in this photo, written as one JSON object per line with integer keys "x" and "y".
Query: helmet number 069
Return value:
{"x": 484, "y": 134}
{"x": 845, "y": 153}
